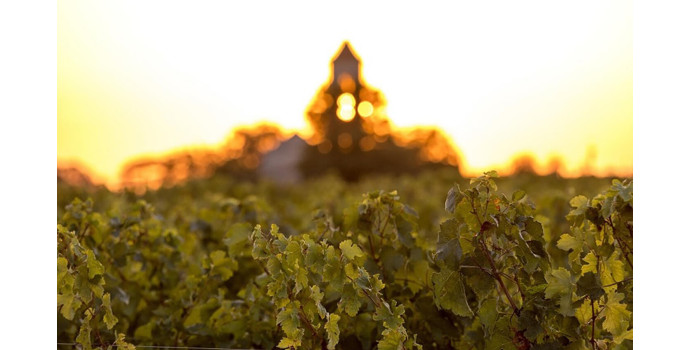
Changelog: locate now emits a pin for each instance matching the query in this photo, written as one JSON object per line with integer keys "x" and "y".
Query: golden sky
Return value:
{"x": 541, "y": 77}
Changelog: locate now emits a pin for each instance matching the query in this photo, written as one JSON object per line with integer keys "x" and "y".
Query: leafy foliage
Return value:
{"x": 251, "y": 266}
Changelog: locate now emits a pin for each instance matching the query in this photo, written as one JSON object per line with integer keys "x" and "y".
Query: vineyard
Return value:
{"x": 426, "y": 261}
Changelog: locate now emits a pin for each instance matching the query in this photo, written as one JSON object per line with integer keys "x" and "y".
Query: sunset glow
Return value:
{"x": 549, "y": 79}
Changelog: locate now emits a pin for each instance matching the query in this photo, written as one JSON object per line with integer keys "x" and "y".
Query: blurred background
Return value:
{"x": 151, "y": 95}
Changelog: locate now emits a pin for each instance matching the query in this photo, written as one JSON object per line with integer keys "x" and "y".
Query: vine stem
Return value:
{"x": 304, "y": 319}
{"x": 624, "y": 247}
{"x": 494, "y": 271}
{"x": 497, "y": 276}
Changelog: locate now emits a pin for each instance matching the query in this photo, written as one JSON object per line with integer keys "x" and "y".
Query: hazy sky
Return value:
{"x": 544, "y": 77}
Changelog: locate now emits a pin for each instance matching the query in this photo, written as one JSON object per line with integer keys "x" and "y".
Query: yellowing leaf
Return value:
{"x": 349, "y": 250}
{"x": 568, "y": 242}
{"x": 95, "y": 267}
{"x": 333, "y": 331}
{"x": 289, "y": 343}
{"x": 617, "y": 317}
{"x": 109, "y": 319}
{"x": 591, "y": 263}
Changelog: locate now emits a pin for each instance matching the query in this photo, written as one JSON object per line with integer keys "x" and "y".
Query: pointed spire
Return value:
{"x": 346, "y": 53}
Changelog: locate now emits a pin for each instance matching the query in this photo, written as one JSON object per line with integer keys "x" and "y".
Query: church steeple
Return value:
{"x": 346, "y": 64}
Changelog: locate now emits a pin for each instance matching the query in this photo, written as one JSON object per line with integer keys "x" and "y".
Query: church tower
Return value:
{"x": 345, "y": 65}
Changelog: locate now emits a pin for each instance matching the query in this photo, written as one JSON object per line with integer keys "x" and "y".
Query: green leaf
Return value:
{"x": 560, "y": 283}
{"x": 223, "y": 266}
{"x": 534, "y": 228}
{"x": 316, "y": 296}
{"x": 332, "y": 331}
{"x": 590, "y": 286}
{"x": 518, "y": 195}
{"x": 84, "y": 336}
{"x": 449, "y": 251}
{"x": 145, "y": 332}
{"x": 613, "y": 269}
{"x": 393, "y": 339}
{"x": 236, "y": 238}
{"x": 488, "y": 315}
{"x": 390, "y": 315}
{"x": 617, "y": 316}
{"x": 94, "y": 266}
{"x": 288, "y": 319}
{"x": 584, "y": 313}
{"x": 568, "y": 242}
{"x": 314, "y": 257}
{"x": 591, "y": 263}
{"x": 122, "y": 344}
{"x": 109, "y": 319}
{"x": 452, "y": 199}
{"x": 577, "y": 215}
{"x": 287, "y": 342}
{"x": 449, "y": 292}
{"x": 333, "y": 272}
{"x": 349, "y": 250}
{"x": 69, "y": 305}
{"x": 349, "y": 301}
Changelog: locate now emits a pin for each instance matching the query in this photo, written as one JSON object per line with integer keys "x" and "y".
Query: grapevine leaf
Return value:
{"x": 314, "y": 257}
{"x": 301, "y": 280}
{"x": 95, "y": 267}
{"x": 613, "y": 269}
{"x": 293, "y": 253}
{"x": 449, "y": 251}
{"x": 236, "y": 237}
{"x": 84, "y": 336}
{"x": 69, "y": 305}
{"x": 223, "y": 266}
{"x": 333, "y": 272}
{"x": 332, "y": 330}
{"x": 288, "y": 319}
{"x": 625, "y": 335}
{"x": 568, "y": 242}
{"x": 145, "y": 332}
{"x": 121, "y": 344}
{"x": 488, "y": 315}
{"x": 518, "y": 195}
{"x": 287, "y": 342}
{"x": 109, "y": 319}
{"x": 577, "y": 215}
{"x": 560, "y": 283}
{"x": 316, "y": 296}
{"x": 451, "y": 199}
{"x": 392, "y": 339}
{"x": 62, "y": 270}
{"x": 591, "y": 263}
{"x": 584, "y": 313}
{"x": 449, "y": 292}
{"x": 534, "y": 228}
{"x": 536, "y": 248}
{"x": 590, "y": 286}
{"x": 390, "y": 315}
{"x": 349, "y": 301}
{"x": 349, "y": 250}
{"x": 617, "y": 317}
